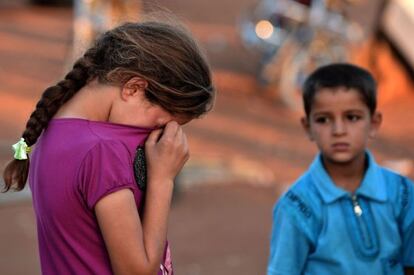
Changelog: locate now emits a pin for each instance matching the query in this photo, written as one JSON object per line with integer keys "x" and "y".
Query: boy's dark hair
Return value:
{"x": 340, "y": 75}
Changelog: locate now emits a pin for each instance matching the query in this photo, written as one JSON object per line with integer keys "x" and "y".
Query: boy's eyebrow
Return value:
{"x": 323, "y": 112}
{"x": 354, "y": 111}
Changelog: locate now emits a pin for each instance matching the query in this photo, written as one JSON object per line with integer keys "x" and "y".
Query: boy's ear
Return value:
{"x": 376, "y": 121}
{"x": 133, "y": 87}
{"x": 306, "y": 126}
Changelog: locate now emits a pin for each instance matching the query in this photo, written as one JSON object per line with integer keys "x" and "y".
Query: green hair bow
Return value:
{"x": 21, "y": 149}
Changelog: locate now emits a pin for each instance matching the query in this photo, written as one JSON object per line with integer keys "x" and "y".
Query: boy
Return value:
{"x": 346, "y": 214}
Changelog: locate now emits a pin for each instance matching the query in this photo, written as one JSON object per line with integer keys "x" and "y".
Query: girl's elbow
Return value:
{"x": 137, "y": 268}
{"x": 144, "y": 269}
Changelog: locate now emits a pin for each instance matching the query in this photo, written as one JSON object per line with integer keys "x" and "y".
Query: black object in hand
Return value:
{"x": 140, "y": 168}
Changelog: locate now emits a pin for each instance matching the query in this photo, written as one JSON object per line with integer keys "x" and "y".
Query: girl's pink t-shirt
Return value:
{"x": 77, "y": 162}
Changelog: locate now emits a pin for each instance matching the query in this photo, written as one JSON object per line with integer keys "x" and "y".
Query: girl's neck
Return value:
{"x": 349, "y": 175}
{"x": 92, "y": 102}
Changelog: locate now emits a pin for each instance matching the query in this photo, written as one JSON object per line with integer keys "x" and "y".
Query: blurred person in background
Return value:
{"x": 346, "y": 214}
{"x": 93, "y": 17}
{"x": 95, "y": 214}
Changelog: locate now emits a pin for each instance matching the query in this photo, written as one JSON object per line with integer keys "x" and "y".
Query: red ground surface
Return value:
{"x": 244, "y": 153}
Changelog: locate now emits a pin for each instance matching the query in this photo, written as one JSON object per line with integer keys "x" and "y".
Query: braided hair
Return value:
{"x": 179, "y": 78}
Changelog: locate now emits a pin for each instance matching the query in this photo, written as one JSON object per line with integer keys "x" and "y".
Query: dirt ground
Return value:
{"x": 214, "y": 229}
{"x": 246, "y": 152}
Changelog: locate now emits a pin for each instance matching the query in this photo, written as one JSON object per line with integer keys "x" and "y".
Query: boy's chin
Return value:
{"x": 341, "y": 158}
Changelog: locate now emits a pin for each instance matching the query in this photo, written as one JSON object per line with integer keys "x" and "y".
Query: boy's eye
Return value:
{"x": 322, "y": 120}
{"x": 352, "y": 117}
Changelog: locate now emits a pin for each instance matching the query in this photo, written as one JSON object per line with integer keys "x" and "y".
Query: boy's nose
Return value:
{"x": 339, "y": 127}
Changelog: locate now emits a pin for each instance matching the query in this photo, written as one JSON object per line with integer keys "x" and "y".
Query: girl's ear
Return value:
{"x": 133, "y": 87}
{"x": 376, "y": 121}
{"x": 306, "y": 126}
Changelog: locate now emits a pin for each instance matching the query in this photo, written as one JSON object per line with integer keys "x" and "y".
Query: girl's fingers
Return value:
{"x": 170, "y": 130}
{"x": 185, "y": 146}
{"x": 179, "y": 133}
{"x": 154, "y": 136}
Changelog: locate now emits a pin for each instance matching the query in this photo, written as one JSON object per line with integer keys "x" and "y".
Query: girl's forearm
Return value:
{"x": 155, "y": 218}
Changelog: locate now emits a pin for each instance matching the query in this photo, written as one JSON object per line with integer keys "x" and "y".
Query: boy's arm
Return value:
{"x": 290, "y": 245}
{"x": 407, "y": 226}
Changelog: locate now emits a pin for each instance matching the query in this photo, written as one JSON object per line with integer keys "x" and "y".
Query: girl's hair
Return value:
{"x": 178, "y": 76}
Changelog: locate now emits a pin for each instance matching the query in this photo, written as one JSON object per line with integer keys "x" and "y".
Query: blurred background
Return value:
{"x": 251, "y": 147}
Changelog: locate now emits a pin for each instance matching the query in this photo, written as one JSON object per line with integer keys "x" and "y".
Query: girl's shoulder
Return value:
{"x": 106, "y": 168}
{"x": 107, "y": 154}
{"x": 81, "y": 131}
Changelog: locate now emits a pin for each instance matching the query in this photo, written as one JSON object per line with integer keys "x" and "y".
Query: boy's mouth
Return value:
{"x": 340, "y": 146}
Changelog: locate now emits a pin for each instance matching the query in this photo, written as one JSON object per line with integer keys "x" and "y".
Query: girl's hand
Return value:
{"x": 166, "y": 152}
{"x": 136, "y": 244}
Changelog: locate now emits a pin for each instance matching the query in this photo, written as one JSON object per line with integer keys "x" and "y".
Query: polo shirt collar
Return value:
{"x": 372, "y": 185}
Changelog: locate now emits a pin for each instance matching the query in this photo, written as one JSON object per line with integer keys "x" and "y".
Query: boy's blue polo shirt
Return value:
{"x": 316, "y": 228}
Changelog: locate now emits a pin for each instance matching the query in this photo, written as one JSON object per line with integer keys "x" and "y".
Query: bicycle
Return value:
{"x": 322, "y": 34}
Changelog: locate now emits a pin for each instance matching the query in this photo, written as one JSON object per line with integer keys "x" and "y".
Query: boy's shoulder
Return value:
{"x": 393, "y": 177}
{"x": 301, "y": 197}
{"x": 302, "y": 206}
{"x": 303, "y": 187}
{"x": 399, "y": 188}
{"x": 394, "y": 181}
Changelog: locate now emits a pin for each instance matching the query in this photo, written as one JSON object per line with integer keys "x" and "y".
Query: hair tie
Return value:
{"x": 21, "y": 149}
